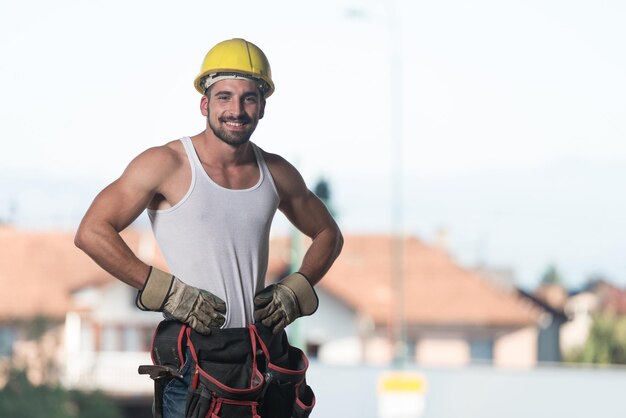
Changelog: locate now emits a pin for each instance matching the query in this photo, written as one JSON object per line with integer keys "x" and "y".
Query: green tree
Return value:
{"x": 322, "y": 190}
{"x": 93, "y": 405}
{"x": 21, "y": 399}
{"x": 551, "y": 276}
{"x": 606, "y": 343}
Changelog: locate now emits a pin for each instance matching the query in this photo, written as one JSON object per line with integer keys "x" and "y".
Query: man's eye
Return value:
{"x": 222, "y": 97}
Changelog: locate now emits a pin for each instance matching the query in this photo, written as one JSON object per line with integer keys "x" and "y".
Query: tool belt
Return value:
{"x": 237, "y": 372}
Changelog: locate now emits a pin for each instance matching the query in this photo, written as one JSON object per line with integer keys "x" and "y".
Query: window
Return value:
{"x": 110, "y": 338}
{"x": 7, "y": 338}
{"x": 137, "y": 338}
{"x": 116, "y": 337}
{"x": 481, "y": 350}
{"x": 132, "y": 339}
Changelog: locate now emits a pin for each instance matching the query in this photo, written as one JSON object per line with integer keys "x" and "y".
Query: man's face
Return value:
{"x": 233, "y": 109}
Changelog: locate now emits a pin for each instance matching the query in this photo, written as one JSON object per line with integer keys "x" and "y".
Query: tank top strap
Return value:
{"x": 218, "y": 239}
{"x": 195, "y": 161}
{"x": 266, "y": 174}
{"x": 191, "y": 153}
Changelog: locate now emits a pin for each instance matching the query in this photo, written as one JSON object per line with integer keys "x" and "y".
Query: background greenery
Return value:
{"x": 20, "y": 399}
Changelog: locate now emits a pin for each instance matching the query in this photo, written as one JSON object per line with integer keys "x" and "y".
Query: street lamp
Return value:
{"x": 393, "y": 29}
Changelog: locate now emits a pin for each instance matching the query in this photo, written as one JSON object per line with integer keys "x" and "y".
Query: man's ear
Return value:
{"x": 262, "y": 110}
{"x": 204, "y": 106}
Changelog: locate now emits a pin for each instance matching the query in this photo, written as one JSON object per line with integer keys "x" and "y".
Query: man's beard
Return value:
{"x": 230, "y": 137}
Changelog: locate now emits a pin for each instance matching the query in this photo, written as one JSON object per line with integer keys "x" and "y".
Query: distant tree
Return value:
{"x": 93, "y": 405}
{"x": 551, "y": 276}
{"x": 322, "y": 190}
{"x": 21, "y": 399}
{"x": 36, "y": 327}
{"x": 606, "y": 343}
{"x": 39, "y": 330}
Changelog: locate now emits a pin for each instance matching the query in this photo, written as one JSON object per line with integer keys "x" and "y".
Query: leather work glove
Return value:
{"x": 279, "y": 304}
{"x": 198, "y": 308}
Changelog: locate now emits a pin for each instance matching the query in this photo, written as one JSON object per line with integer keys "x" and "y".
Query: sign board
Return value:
{"x": 401, "y": 395}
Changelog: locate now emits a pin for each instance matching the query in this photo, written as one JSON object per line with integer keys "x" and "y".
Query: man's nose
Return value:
{"x": 236, "y": 108}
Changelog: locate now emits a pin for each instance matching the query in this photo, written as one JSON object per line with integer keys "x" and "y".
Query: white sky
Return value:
{"x": 512, "y": 112}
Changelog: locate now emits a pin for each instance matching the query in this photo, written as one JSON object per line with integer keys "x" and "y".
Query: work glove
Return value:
{"x": 198, "y": 308}
{"x": 279, "y": 304}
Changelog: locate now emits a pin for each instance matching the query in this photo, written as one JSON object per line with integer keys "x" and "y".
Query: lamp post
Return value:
{"x": 393, "y": 29}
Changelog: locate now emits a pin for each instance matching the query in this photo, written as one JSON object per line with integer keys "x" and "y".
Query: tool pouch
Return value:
{"x": 238, "y": 372}
{"x": 169, "y": 344}
{"x": 167, "y": 350}
{"x": 287, "y": 395}
{"x": 227, "y": 381}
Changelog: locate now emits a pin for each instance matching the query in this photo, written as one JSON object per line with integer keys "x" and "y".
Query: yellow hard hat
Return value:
{"x": 236, "y": 57}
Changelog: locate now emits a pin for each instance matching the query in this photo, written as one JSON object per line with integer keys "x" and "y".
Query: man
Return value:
{"x": 211, "y": 199}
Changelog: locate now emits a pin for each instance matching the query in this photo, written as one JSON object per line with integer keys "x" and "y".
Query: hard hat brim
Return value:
{"x": 198, "y": 82}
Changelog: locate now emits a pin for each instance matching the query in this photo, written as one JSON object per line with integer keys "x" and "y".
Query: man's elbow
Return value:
{"x": 338, "y": 243}
{"x": 81, "y": 238}
{"x": 85, "y": 236}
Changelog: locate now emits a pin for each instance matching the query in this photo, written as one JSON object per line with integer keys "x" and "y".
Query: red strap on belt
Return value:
{"x": 260, "y": 379}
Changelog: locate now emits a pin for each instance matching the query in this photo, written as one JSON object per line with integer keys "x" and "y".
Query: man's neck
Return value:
{"x": 212, "y": 150}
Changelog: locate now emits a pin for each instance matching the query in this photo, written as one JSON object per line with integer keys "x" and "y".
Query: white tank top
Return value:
{"x": 218, "y": 239}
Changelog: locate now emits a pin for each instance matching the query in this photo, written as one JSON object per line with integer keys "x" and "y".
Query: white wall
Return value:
{"x": 517, "y": 348}
{"x": 443, "y": 350}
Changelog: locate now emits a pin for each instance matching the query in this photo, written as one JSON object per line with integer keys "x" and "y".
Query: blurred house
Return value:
{"x": 67, "y": 320}
{"x": 597, "y": 297}
{"x": 551, "y": 323}
{"x": 63, "y": 319}
{"x": 452, "y": 316}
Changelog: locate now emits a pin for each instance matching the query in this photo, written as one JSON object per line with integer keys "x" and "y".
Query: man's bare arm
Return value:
{"x": 113, "y": 210}
{"x": 116, "y": 207}
{"x": 309, "y": 214}
{"x": 279, "y": 304}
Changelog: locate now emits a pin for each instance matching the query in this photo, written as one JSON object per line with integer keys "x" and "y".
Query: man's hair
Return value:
{"x": 207, "y": 91}
{"x": 260, "y": 83}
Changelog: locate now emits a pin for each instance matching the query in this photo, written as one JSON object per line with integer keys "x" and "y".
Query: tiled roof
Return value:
{"x": 436, "y": 289}
{"x": 612, "y": 298}
{"x": 39, "y": 271}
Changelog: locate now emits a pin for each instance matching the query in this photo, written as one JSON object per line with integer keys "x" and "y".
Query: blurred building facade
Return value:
{"x": 580, "y": 307}
{"x": 453, "y": 316}
{"x": 66, "y": 320}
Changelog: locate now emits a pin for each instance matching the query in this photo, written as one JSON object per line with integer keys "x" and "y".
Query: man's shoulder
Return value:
{"x": 285, "y": 175}
{"x": 272, "y": 159}
{"x": 170, "y": 153}
{"x": 159, "y": 161}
